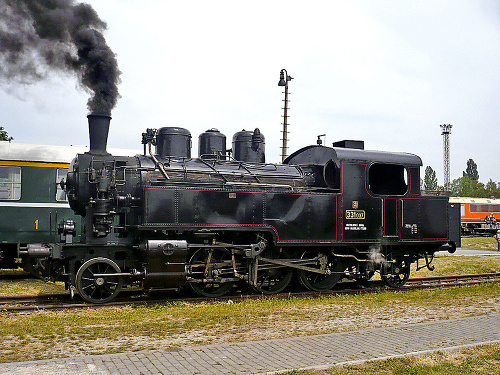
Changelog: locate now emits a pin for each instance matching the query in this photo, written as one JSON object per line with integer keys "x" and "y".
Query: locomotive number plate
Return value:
{"x": 355, "y": 214}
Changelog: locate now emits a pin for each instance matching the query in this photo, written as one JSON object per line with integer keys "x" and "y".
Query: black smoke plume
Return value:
{"x": 38, "y": 37}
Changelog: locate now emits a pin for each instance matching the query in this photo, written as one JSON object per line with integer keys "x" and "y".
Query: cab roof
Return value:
{"x": 317, "y": 154}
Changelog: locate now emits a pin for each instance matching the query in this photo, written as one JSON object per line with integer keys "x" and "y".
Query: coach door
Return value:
{"x": 389, "y": 182}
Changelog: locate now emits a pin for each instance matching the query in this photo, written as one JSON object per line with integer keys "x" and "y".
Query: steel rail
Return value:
{"x": 26, "y": 303}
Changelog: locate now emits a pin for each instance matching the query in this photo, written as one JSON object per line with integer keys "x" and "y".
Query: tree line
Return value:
{"x": 466, "y": 186}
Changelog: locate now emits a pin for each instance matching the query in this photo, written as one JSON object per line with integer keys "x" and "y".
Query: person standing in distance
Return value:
{"x": 497, "y": 237}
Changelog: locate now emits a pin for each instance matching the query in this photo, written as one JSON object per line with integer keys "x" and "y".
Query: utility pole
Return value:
{"x": 445, "y": 132}
{"x": 284, "y": 79}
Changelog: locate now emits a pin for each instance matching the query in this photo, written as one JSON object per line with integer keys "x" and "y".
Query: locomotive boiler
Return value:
{"x": 165, "y": 220}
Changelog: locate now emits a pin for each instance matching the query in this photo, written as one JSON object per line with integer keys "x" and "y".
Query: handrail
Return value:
{"x": 158, "y": 164}
{"x": 214, "y": 169}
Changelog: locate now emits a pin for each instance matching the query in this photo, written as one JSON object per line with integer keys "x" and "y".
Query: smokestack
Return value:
{"x": 98, "y": 133}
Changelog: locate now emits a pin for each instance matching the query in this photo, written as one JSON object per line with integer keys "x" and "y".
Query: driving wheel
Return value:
{"x": 272, "y": 278}
{"x": 397, "y": 274}
{"x": 316, "y": 281}
{"x": 213, "y": 265}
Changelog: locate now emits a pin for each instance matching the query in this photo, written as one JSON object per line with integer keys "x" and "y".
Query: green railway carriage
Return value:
{"x": 31, "y": 200}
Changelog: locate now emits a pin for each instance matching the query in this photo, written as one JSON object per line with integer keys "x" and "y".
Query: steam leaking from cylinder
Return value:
{"x": 38, "y": 37}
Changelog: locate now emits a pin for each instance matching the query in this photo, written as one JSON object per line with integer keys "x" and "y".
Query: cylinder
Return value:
{"x": 173, "y": 141}
{"x": 212, "y": 145}
{"x": 165, "y": 262}
{"x": 249, "y": 146}
{"x": 37, "y": 250}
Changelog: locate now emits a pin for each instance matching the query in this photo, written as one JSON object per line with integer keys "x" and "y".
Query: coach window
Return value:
{"x": 10, "y": 183}
{"x": 388, "y": 179}
{"x": 62, "y": 173}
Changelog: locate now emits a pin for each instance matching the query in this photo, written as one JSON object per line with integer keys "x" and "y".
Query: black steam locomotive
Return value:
{"x": 167, "y": 220}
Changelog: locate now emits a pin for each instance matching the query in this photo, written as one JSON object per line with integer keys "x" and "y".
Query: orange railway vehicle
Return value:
{"x": 478, "y": 215}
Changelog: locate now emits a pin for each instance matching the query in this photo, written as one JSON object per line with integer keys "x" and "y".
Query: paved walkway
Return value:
{"x": 264, "y": 357}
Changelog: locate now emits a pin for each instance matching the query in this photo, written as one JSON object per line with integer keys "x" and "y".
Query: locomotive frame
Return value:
{"x": 167, "y": 220}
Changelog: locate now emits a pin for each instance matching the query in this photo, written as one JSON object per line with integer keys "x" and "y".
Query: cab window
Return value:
{"x": 388, "y": 179}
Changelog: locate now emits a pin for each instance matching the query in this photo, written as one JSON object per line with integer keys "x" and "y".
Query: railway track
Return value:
{"x": 47, "y": 302}
{"x": 454, "y": 278}
{"x": 16, "y": 276}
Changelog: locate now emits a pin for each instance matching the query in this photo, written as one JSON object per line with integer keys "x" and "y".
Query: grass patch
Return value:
{"x": 459, "y": 265}
{"x": 108, "y": 330}
{"x": 479, "y": 243}
{"x": 480, "y": 360}
{"x": 14, "y": 272}
{"x": 26, "y": 286}
{"x": 30, "y": 287}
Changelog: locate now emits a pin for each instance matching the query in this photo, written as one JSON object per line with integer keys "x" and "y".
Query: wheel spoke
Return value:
{"x": 108, "y": 289}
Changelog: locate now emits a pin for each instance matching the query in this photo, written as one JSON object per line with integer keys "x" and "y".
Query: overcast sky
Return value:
{"x": 386, "y": 72}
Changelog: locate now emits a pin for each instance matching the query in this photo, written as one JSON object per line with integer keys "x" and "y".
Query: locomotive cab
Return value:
{"x": 381, "y": 199}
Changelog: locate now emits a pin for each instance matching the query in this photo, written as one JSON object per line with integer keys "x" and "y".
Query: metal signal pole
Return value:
{"x": 284, "y": 79}
{"x": 445, "y": 132}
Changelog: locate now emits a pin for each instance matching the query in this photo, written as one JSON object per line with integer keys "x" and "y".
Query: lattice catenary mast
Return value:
{"x": 445, "y": 132}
